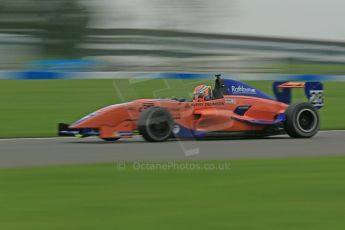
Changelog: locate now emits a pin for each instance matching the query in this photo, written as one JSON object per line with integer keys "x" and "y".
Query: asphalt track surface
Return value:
{"x": 28, "y": 152}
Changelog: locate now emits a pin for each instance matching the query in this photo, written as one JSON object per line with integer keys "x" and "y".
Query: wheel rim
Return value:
{"x": 307, "y": 120}
{"x": 159, "y": 126}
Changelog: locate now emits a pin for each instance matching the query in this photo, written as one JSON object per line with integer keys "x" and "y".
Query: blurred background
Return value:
{"x": 233, "y": 36}
{"x": 115, "y": 44}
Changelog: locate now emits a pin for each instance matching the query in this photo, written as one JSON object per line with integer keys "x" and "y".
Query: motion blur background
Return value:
{"x": 235, "y": 36}
{"x": 47, "y": 46}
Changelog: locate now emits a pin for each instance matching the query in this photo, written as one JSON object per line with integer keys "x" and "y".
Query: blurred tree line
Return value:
{"x": 58, "y": 24}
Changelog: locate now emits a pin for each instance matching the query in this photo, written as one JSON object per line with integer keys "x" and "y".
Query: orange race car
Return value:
{"x": 231, "y": 108}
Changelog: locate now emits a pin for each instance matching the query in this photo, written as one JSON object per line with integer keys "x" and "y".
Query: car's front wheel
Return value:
{"x": 302, "y": 120}
{"x": 155, "y": 124}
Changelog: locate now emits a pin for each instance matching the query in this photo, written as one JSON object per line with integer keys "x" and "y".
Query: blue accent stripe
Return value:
{"x": 184, "y": 132}
{"x": 280, "y": 119}
{"x": 39, "y": 75}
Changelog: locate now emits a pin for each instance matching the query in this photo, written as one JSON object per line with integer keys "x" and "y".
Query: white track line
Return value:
{"x": 332, "y": 131}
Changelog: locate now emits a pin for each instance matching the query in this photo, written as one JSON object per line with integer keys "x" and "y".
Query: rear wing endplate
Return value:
{"x": 313, "y": 91}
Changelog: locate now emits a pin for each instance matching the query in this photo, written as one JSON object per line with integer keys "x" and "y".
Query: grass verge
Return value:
{"x": 303, "y": 193}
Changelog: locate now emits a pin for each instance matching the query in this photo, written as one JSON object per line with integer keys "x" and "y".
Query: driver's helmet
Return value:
{"x": 202, "y": 93}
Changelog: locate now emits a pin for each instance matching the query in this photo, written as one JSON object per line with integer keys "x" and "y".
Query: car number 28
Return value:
{"x": 316, "y": 97}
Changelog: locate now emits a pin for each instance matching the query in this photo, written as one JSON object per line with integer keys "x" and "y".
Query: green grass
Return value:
{"x": 303, "y": 193}
{"x": 34, "y": 107}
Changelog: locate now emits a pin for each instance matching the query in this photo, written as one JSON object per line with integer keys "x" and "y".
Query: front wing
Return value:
{"x": 65, "y": 131}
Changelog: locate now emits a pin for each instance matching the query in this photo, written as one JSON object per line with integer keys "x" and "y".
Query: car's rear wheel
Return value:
{"x": 302, "y": 120}
{"x": 155, "y": 124}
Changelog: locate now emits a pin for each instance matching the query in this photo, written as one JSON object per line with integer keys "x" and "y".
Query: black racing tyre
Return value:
{"x": 155, "y": 124}
{"x": 302, "y": 120}
{"x": 110, "y": 139}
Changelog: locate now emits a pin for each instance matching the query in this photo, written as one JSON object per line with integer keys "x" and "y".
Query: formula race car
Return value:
{"x": 230, "y": 108}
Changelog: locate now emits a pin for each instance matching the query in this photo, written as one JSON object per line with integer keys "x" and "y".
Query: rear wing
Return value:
{"x": 312, "y": 90}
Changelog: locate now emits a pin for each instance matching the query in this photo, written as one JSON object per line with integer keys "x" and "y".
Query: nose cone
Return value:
{"x": 88, "y": 121}
{"x": 108, "y": 116}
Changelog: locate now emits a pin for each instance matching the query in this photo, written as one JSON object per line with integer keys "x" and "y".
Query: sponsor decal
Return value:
{"x": 242, "y": 90}
{"x": 176, "y": 129}
{"x": 214, "y": 103}
{"x": 210, "y": 103}
{"x": 230, "y": 101}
